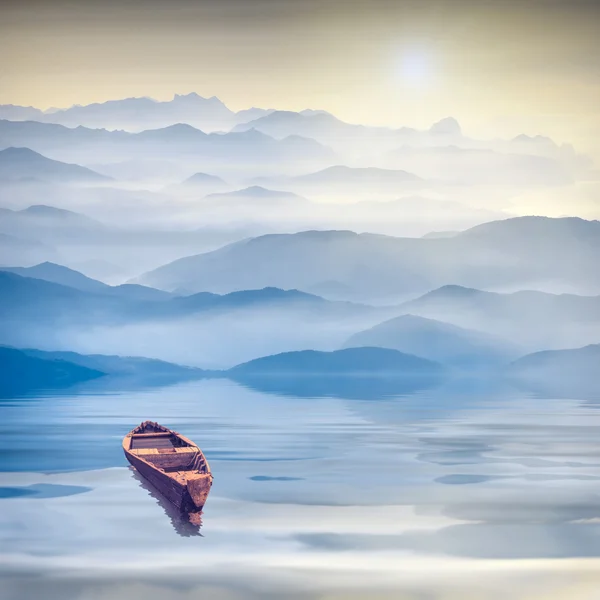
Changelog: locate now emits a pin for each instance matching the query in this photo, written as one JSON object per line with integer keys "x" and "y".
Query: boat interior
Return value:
{"x": 165, "y": 449}
{"x": 157, "y": 440}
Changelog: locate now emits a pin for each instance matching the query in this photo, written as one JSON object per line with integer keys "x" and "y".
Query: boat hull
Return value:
{"x": 170, "y": 489}
{"x": 168, "y": 469}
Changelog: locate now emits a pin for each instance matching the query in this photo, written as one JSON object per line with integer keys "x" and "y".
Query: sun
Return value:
{"x": 416, "y": 68}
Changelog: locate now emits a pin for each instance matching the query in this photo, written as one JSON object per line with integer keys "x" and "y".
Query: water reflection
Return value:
{"x": 423, "y": 484}
{"x": 186, "y": 524}
{"x": 348, "y": 387}
{"x": 510, "y": 541}
{"x": 43, "y": 491}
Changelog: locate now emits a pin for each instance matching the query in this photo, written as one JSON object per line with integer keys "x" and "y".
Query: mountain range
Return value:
{"x": 130, "y": 368}
{"x": 332, "y": 131}
{"x": 361, "y": 373}
{"x": 62, "y": 275}
{"x": 136, "y": 114}
{"x": 368, "y": 141}
{"x": 211, "y": 114}
{"x": 179, "y": 141}
{"x": 23, "y": 287}
{"x": 525, "y": 251}
{"x": 264, "y": 246}
{"x": 55, "y": 310}
{"x": 65, "y": 310}
{"x": 441, "y": 151}
{"x": 50, "y": 287}
{"x": 533, "y": 319}
{"x": 365, "y": 370}
{"x": 27, "y": 371}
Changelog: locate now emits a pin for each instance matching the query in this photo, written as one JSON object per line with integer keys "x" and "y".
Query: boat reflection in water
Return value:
{"x": 185, "y": 523}
{"x": 174, "y": 466}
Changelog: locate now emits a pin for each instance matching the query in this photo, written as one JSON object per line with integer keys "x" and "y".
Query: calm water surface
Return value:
{"x": 467, "y": 490}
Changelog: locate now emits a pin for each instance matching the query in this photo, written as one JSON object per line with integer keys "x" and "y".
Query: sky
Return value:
{"x": 501, "y": 67}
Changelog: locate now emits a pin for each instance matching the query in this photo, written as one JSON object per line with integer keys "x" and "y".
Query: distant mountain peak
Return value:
{"x": 53, "y": 216}
{"x": 204, "y": 178}
{"x": 45, "y": 210}
{"x": 447, "y": 126}
{"x": 184, "y": 127}
{"x": 190, "y": 95}
{"x": 255, "y": 191}
{"x": 194, "y": 97}
{"x": 18, "y": 151}
{"x": 253, "y": 134}
{"x": 310, "y": 112}
{"x": 523, "y": 137}
{"x": 453, "y": 291}
{"x": 345, "y": 175}
{"x": 457, "y": 289}
{"x": 51, "y": 265}
{"x": 275, "y": 293}
{"x": 313, "y": 235}
{"x": 320, "y": 233}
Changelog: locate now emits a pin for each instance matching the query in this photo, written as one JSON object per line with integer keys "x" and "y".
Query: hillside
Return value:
{"x": 434, "y": 340}
{"x": 22, "y": 373}
{"x": 133, "y": 368}
{"x": 49, "y": 307}
{"x": 205, "y": 181}
{"x": 47, "y": 223}
{"x": 573, "y": 365}
{"x": 205, "y": 329}
{"x": 358, "y": 373}
{"x": 65, "y": 276}
{"x": 464, "y": 303}
{"x": 561, "y": 372}
{"x": 23, "y": 164}
{"x": 54, "y": 273}
{"x": 21, "y": 295}
{"x": 536, "y": 320}
{"x": 351, "y": 361}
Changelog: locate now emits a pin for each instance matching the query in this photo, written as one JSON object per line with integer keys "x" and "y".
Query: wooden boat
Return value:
{"x": 174, "y": 465}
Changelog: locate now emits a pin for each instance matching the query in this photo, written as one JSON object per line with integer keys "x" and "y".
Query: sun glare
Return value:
{"x": 415, "y": 68}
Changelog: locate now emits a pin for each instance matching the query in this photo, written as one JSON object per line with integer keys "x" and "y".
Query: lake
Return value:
{"x": 470, "y": 489}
